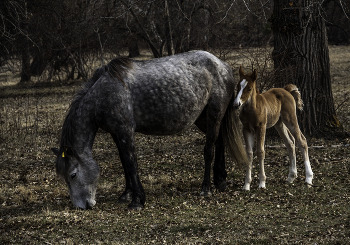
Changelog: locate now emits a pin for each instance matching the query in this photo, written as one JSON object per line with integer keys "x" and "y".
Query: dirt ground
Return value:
{"x": 35, "y": 207}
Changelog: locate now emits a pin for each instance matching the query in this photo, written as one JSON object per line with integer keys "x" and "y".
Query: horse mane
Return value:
{"x": 117, "y": 68}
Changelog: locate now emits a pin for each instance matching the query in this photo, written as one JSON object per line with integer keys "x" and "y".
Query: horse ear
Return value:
{"x": 241, "y": 72}
{"x": 254, "y": 75}
{"x": 56, "y": 151}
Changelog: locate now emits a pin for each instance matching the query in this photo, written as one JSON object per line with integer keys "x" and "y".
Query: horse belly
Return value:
{"x": 165, "y": 111}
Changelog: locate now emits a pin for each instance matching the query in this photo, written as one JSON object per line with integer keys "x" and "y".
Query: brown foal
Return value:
{"x": 276, "y": 107}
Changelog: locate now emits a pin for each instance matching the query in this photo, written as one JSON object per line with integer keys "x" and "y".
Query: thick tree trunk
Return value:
{"x": 301, "y": 57}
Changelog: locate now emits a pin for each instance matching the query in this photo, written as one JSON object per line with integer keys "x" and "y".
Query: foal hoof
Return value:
{"x": 308, "y": 180}
{"x": 221, "y": 187}
{"x": 246, "y": 187}
{"x": 290, "y": 180}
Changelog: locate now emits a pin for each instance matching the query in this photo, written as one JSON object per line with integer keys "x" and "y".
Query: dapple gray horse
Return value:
{"x": 158, "y": 97}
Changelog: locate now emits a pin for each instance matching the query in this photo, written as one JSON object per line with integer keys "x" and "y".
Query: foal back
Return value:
{"x": 280, "y": 103}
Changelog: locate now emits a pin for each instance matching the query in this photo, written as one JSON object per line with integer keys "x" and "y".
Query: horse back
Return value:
{"x": 168, "y": 94}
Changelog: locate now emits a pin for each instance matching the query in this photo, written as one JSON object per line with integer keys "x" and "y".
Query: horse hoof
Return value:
{"x": 125, "y": 198}
{"x": 135, "y": 206}
{"x": 221, "y": 187}
{"x": 206, "y": 193}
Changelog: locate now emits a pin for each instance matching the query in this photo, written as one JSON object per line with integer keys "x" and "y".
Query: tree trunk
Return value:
{"x": 301, "y": 57}
{"x": 133, "y": 46}
{"x": 25, "y": 63}
{"x": 168, "y": 34}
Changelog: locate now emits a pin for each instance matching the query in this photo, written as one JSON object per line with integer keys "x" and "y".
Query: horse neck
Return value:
{"x": 80, "y": 134}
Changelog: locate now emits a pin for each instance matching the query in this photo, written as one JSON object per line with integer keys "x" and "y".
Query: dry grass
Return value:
{"x": 35, "y": 206}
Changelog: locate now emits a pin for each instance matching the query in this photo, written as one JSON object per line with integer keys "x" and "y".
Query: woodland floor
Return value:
{"x": 35, "y": 207}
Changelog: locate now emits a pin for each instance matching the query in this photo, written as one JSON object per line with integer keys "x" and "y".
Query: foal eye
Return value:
{"x": 73, "y": 175}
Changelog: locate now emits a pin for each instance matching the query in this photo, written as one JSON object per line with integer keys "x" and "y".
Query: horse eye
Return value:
{"x": 73, "y": 175}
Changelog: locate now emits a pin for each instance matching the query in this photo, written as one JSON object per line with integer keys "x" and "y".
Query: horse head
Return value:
{"x": 245, "y": 87}
{"x": 80, "y": 173}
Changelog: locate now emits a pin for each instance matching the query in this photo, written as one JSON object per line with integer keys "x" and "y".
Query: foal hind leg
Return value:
{"x": 302, "y": 145}
{"x": 289, "y": 141}
{"x": 249, "y": 144}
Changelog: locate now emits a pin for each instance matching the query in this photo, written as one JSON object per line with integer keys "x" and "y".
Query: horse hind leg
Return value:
{"x": 289, "y": 141}
{"x": 302, "y": 145}
{"x": 219, "y": 169}
{"x": 212, "y": 133}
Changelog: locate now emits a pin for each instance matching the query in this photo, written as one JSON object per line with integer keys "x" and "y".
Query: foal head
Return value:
{"x": 245, "y": 88}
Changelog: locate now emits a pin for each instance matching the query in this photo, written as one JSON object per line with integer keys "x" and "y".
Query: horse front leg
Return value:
{"x": 249, "y": 144}
{"x": 134, "y": 191}
{"x": 126, "y": 196}
{"x": 261, "y": 154}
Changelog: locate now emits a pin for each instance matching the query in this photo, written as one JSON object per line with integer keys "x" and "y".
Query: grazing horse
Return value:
{"x": 276, "y": 107}
{"x": 157, "y": 97}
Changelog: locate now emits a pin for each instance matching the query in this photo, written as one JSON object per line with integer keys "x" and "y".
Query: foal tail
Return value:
{"x": 291, "y": 88}
{"x": 232, "y": 137}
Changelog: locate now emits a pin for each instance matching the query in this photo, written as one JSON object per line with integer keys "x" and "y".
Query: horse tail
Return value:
{"x": 291, "y": 88}
{"x": 232, "y": 136}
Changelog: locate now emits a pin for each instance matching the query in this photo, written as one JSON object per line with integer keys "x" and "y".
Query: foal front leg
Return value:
{"x": 260, "y": 139}
{"x": 249, "y": 144}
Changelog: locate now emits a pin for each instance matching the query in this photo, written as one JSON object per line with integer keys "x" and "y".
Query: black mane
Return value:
{"x": 117, "y": 68}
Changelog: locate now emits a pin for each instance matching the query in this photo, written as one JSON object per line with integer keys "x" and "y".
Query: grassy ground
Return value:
{"x": 35, "y": 207}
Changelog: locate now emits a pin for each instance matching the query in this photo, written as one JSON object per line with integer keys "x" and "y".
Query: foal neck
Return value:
{"x": 251, "y": 102}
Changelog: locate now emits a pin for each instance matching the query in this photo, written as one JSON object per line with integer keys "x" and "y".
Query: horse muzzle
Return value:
{"x": 90, "y": 204}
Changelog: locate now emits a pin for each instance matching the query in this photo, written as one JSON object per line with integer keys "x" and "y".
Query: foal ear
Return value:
{"x": 56, "y": 151}
{"x": 241, "y": 72}
{"x": 254, "y": 75}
